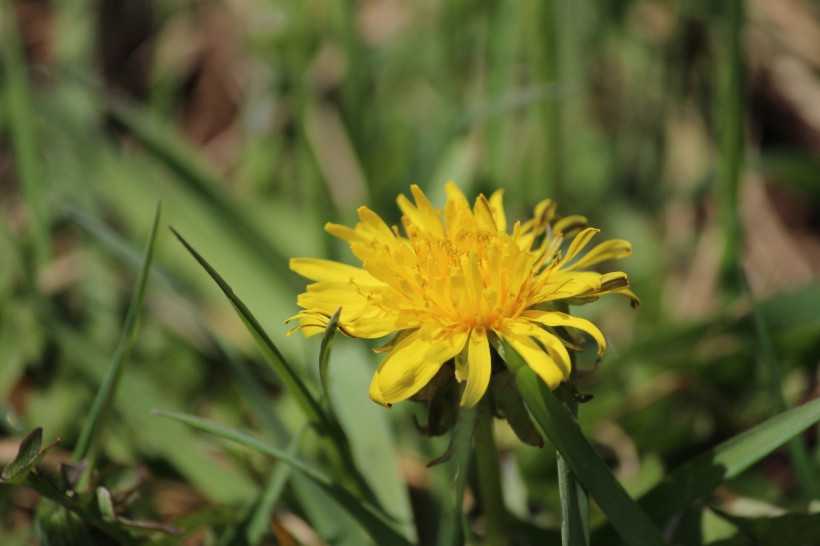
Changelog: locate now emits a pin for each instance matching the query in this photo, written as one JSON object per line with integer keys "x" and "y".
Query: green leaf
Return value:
{"x": 371, "y": 518}
{"x": 293, "y": 383}
{"x": 93, "y": 426}
{"x": 629, "y": 520}
{"x": 27, "y": 457}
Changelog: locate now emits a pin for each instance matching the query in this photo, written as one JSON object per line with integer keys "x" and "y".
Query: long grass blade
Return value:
{"x": 284, "y": 371}
{"x": 702, "y": 474}
{"x": 88, "y": 443}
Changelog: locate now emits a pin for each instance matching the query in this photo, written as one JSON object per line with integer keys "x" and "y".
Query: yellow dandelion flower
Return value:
{"x": 456, "y": 283}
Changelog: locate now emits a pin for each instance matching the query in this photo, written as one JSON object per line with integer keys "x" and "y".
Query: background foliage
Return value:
{"x": 690, "y": 128}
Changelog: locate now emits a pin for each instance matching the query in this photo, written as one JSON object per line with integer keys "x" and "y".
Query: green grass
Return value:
{"x": 255, "y": 123}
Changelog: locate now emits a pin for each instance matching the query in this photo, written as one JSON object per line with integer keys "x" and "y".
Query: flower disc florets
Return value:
{"x": 455, "y": 284}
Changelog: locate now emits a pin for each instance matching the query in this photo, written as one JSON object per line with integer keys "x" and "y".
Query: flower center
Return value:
{"x": 470, "y": 279}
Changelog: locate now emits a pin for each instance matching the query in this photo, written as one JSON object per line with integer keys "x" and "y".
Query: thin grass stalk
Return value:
{"x": 730, "y": 108}
{"x": 89, "y": 442}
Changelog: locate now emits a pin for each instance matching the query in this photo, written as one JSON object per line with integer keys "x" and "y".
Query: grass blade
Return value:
{"x": 293, "y": 383}
{"x": 372, "y": 519}
{"x": 730, "y": 110}
{"x": 628, "y": 519}
{"x": 702, "y": 474}
{"x": 89, "y": 441}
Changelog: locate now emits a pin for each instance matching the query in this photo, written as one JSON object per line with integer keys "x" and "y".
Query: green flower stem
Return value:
{"x": 489, "y": 479}
{"x": 574, "y": 498}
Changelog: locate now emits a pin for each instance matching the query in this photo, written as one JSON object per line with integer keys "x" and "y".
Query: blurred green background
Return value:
{"x": 690, "y": 128}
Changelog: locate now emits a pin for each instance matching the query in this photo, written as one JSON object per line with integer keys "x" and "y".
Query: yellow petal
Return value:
{"x": 578, "y": 243}
{"x": 555, "y": 319}
{"x": 317, "y": 269}
{"x": 535, "y": 357}
{"x": 608, "y": 250}
{"x": 373, "y": 225}
{"x": 347, "y": 234}
{"x": 522, "y": 330}
{"x": 422, "y": 213}
{"x": 371, "y": 327}
{"x": 413, "y": 363}
{"x": 479, "y": 367}
{"x": 484, "y": 214}
{"x": 497, "y": 206}
{"x": 568, "y": 225}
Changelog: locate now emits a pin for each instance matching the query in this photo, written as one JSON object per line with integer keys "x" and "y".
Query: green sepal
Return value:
{"x": 508, "y": 404}
{"x": 441, "y": 397}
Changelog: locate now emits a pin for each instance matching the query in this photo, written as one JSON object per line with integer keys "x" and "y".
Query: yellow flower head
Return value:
{"x": 454, "y": 284}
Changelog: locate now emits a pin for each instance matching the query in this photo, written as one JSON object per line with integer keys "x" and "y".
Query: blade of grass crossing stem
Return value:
{"x": 629, "y": 520}
{"x": 89, "y": 441}
{"x": 701, "y": 475}
{"x": 807, "y": 478}
{"x": 370, "y": 517}
{"x": 324, "y": 357}
{"x": 21, "y": 128}
{"x": 293, "y": 383}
